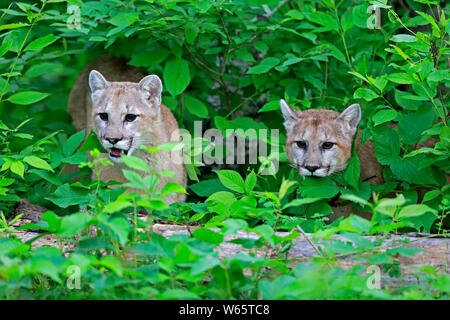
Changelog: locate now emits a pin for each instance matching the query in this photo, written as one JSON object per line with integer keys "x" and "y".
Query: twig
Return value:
{"x": 179, "y": 37}
{"x": 187, "y": 226}
{"x": 310, "y": 242}
{"x": 219, "y": 75}
{"x": 228, "y": 39}
{"x": 325, "y": 80}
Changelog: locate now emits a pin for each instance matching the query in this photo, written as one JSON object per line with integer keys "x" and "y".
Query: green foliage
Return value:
{"x": 229, "y": 62}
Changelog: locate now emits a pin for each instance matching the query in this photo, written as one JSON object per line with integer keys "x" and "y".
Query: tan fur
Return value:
{"x": 317, "y": 126}
{"x": 127, "y": 92}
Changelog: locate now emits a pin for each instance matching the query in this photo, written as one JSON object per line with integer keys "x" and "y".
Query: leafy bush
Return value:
{"x": 227, "y": 64}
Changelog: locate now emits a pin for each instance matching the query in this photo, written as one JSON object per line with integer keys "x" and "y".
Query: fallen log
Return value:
{"x": 435, "y": 250}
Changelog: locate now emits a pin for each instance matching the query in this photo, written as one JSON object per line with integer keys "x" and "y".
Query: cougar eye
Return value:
{"x": 327, "y": 145}
{"x": 301, "y": 144}
{"x": 103, "y": 116}
{"x": 130, "y": 117}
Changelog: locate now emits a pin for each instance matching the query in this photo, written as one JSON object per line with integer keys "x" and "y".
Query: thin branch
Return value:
{"x": 179, "y": 37}
{"x": 228, "y": 39}
{"x": 309, "y": 241}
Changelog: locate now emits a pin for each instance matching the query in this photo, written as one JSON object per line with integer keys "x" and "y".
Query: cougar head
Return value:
{"x": 319, "y": 142}
{"x": 123, "y": 112}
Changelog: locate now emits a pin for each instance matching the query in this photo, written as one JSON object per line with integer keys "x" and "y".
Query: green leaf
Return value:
{"x": 383, "y": 116}
{"x": 74, "y": 223}
{"x": 224, "y": 197}
{"x": 4, "y": 182}
{"x": 413, "y": 124}
{"x": 149, "y": 58}
{"x": 402, "y": 78}
{"x": 232, "y": 180}
{"x": 123, "y": 19}
{"x": 4, "y": 86}
{"x": 135, "y": 180}
{"x": 318, "y": 188}
{"x": 300, "y": 202}
{"x": 354, "y": 198}
{"x": 43, "y": 68}
{"x": 41, "y": 42}
{"x": 173, "y": 187}
{"x": 17, "y": 167}
{"x": 119, "y": 227}
{"x": 91, "y": 143}
{"x": 266, "y": 232}
{"x": 325, "y": 19}
{"x": 205, "y": 188}
{"x": 46, "y": 267}
{"x": 73, "y": 143}
{"x": 404, "y": 251}
{"x": 415, "y": 210}
{"x": 195, "y": 106}
{"x": 270, "y": 106}
{"x": 113, "y": 264}
{"x": 4, "y": 48}
{"x": 176, "y": 76}
{"x": 196, "y": 217}
{"x": 264, "y": 66}
{"x": 409, "y": 169}
{"x": 51, "y": 177}
{"x": 439, "y": 75}
{"x": 66, "y": 196}
{"x": 37, "y": 163}
{"x": 203, "y": 264}
{"x": 135, "y": 163}
{"x": 430, "y": 195}
{"x": 207, "y": 235}
{"x": 361, "y": 16}
{"x": 244, "y": 54}
{"x": 403, "y": 38}
{"x": 27, "y": 97}
{"x": 386, "y": 145}
{"x": 351, "y": 173}
{"x": 355, "y": 224}
{"x": 250, "y": 182}
{"x": 179, "y": 294}
{"x": 116, "y": 206}
{"x": 284, "y": 188}
{"x": 365, "y": 94}
{"x": 231, "y": 226}
{"x": 13, "y": 26}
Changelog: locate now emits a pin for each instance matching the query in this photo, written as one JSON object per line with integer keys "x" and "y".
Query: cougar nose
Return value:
{"x": 113, "y": 140}
{"x": 312, "y": 168}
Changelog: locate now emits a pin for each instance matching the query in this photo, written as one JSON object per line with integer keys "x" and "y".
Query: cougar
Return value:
{"x": 123, "y": 107}
{"x": 319, "y": 142}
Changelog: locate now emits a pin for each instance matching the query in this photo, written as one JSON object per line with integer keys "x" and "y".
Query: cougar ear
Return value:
{"x": 351, "y": 116}
{"x": 97, "y": 81}
{"x": 289, "y": 114}
{"x": 152, "y": 87}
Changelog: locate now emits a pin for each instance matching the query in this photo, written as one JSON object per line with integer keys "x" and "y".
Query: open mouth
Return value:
{"x": 115, "y": 153}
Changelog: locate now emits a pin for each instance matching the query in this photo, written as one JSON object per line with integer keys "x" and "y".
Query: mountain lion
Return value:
{"x": 319, "y": 142}
{"x": 126, "y": 115}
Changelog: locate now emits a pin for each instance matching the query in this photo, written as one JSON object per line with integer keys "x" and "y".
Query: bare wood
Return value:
{"x": 435, "y": 250}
